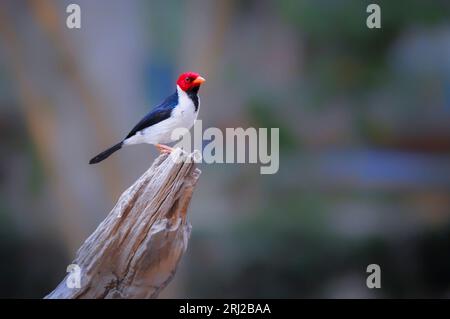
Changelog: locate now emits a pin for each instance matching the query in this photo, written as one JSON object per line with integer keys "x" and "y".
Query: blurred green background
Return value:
{"x": 364, "y": 118}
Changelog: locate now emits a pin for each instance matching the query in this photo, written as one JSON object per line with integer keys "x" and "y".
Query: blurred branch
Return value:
{"x": 39, "y": 116}
{"x": 135, "y": 251}
{"x": 39, "y": 110}
{"x": 48, "y": 18}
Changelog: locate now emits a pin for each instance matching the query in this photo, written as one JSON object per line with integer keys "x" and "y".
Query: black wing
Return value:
{"x": 158, "y": 114}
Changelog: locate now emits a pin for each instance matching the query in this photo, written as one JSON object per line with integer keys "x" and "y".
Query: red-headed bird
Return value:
{"x": 179, "y": 110}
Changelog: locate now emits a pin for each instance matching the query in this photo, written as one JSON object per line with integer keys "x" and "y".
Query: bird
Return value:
{"x": 178, "y": 110}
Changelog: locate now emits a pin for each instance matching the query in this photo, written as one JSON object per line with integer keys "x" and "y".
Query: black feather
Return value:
{"x": 105, "y": 154}
{"x": 158, "y": 114}
{"x": 193, "y": 95}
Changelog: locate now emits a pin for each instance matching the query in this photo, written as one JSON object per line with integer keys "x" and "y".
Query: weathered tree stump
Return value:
{"x": 135, "y": 251}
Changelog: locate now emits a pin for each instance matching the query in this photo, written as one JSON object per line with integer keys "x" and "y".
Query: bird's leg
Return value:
{"x": 164, "y": 149}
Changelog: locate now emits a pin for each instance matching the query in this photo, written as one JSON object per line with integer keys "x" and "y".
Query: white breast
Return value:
{"x": 183, "y": 116}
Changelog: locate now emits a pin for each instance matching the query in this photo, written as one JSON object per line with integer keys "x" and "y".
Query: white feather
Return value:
{"x": 183, "y": 116}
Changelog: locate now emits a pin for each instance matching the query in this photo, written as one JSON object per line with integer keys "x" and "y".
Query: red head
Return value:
{"x": 190, "y": 81}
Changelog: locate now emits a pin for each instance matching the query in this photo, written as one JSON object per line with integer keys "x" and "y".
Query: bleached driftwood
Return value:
{"x": 135, "y": 251}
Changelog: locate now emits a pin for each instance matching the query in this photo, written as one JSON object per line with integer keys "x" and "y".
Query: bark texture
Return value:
{"x": 135, "y": 251}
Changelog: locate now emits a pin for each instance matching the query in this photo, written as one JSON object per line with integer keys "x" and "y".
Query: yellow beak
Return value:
{"x": 199, "y": 80}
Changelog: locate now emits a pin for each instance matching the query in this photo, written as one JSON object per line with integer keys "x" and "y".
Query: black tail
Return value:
{"x": 105, "y": 154}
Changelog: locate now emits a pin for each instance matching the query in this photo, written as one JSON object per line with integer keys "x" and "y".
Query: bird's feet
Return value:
{"x": 164, "y": 149}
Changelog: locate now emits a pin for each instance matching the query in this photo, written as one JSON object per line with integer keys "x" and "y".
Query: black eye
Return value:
{"x": 188, "y": 80}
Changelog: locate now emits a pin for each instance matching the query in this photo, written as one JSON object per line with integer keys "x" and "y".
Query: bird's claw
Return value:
{"x": 164, "y": 149}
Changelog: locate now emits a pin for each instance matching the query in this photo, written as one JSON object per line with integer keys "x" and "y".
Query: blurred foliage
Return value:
{"x": 344, "y": 56}
{"x": 263, "y": 114}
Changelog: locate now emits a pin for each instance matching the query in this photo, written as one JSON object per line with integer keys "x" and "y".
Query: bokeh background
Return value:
{"x": 364, "y": 118}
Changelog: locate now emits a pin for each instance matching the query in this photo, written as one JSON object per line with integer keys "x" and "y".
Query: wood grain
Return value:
{"x": 135, "y": 251}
